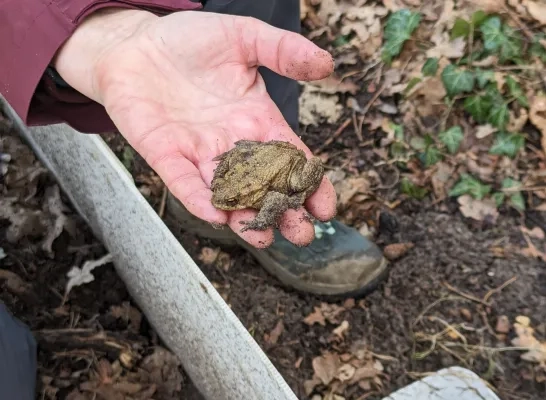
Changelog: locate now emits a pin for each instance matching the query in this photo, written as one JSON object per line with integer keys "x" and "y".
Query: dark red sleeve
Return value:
{"x": 31, "y": 31}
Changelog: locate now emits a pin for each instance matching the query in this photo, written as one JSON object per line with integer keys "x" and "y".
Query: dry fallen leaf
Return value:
{"x": 536, "y": 9}
{"x": 525, "y": 338}
{"x": 538, "y": 118}
{"x": 58, "y": 221}
{"x": 482, "y": 131}
{"x": 316, "y": 107}
{"x": 14, "y": 283}
{"x": 80, "y": 276}
{"x": 273, "y": 336}
{"x": 341, "y": 329}
{"x": 480, "y": 210}
{"x": 345, "y": 372}
{"x": 396, "y": 250}
{"x": 326, "y": 367}
{"x": 448, "y": 48}
{"x": 315, "y": 317}
{"x": 503, "y": 324}
{"x": 332, "y": 85}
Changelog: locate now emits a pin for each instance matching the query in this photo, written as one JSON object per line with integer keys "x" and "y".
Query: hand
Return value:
{"x": 183, "y": 88}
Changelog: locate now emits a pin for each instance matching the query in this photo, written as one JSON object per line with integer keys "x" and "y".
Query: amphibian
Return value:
{"x": 267, "y": 176}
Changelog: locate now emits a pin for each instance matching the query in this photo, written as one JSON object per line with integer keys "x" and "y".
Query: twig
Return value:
{"x": 338, "y": 132}
{"x": 498, "y": 289}
{"x": 374, "y": 98}
{"x": 357, "y": 131}
{"x": 521, "y": 25}
{"x": 161, "y": 210}
{"x": 465, "y": 295}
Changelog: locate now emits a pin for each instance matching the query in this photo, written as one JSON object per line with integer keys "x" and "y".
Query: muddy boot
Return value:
{"x": 339, "y": 262}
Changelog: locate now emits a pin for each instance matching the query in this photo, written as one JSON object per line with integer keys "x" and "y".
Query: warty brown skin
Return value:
{"x": 267, "y": 176}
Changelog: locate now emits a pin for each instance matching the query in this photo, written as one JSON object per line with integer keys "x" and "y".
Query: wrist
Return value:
{"x": 79, "y": 59}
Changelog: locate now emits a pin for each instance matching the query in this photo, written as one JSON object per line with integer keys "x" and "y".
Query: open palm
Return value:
{"x": 185, "y": 87}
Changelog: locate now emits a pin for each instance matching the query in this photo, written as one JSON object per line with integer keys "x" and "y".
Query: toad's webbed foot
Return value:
{"x": 274, "y": 205}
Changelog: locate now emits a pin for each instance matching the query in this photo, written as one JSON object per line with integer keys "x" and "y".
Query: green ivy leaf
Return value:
{"x": 431, "y": 156}
{"x": 498, "y": 198}
{"x": 516, "y": 198}
{"x": 518, "y": 202}
{"x": 484, "y": 77}
{"x": 467, "y": 184}
{"x": 499, "y": 115}
{"x": 397, "y": 149}
{"x": 341, "y": 41}
{"x": 457, "y": 80}
{"x": 507, "y": 144}
{"x": 478, "y": 18}
{"x": 413, "y": 81}
{"x": 430, "y": 67}
{"x": 493, "y": 94}
{"x": 399, "y": 27}
{"x": 478, "y": 107}
{"x": 398, "y": 132}
{"x": 516, "y": 91}
{"x": 537, "y": 49}
{"x": 500, "y": 38}
{"x": 418, "y": 143}
{"x": 461, "y": 28}
{"x": 412, "y": 190}
{"x": 452, "y": 138}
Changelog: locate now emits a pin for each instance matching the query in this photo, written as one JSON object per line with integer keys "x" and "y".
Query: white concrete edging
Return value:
{"x": 217, "y": 352}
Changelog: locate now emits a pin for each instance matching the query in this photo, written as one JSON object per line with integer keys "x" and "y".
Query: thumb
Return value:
{"x": 284, "y": 52}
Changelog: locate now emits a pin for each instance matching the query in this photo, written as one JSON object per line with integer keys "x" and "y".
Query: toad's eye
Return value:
{"x": 233, "y": 200}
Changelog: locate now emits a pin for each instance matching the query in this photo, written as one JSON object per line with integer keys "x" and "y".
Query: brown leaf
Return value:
{"x": 442, "y": 174}
{"x": 536, "y": 232}
{"x": 315, "y": 317}
{"x": 316, "y": 107}
{"x": 208, "y": 255}
{"x": 503, "y": 324}
{"x": 480, "y": 210}
{"x": 58, "y": 221}
{"x": 525, "y": 338}
{"x": 345, "y": 372}
{"x": 341, "y": 329}
{"x": 310, "y": 384}
{"x": 536, "y": 9}
{"x": 483, "y": 131}
{"x": 517, "y": 122}
{"x": 332, "y": 312}
{"x": 129, "y": 314}
{"x": 333, "y": 84}
{"x": 273, "y": 336}
{"x": 348, "y": 187}
{"x": 537, "y": 117}
{"x": 448, "y": 48}
{"x": 14, "y": 283}
{"x": 396, "y": 250}
{"x": 326, "y": 367}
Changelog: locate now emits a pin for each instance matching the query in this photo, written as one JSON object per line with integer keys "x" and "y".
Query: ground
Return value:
{"x": 468, "y": 280}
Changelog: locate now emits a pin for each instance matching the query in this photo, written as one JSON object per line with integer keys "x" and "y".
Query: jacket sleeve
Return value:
{"x": 31, "y": 31}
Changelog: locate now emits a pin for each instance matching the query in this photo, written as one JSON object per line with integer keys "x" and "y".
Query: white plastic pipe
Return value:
{"x": 217, "y": 352}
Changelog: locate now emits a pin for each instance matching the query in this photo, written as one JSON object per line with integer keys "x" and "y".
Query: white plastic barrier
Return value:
{"x": 217, "y": 352}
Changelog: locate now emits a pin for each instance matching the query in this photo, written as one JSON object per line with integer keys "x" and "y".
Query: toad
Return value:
{"x": 270, "y": 177}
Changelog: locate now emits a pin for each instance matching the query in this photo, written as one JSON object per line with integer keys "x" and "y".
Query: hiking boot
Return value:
{"x": 339, "y": 262}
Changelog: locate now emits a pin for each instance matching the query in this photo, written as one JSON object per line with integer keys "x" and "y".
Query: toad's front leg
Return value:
{"x": 274, "y": 205}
